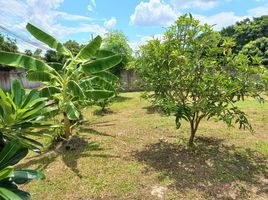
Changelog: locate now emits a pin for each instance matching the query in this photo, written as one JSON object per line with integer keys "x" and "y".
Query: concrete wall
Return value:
{"x": 129, "y": 81}
{"x": 6, "y": 78}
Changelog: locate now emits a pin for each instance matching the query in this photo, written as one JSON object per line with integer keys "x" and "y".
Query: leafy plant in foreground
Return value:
{"x": 82, "y": 79}
{"x": 10, "y": 155}
{"x": 194, "y": 75}
{"x": 22, "y": 117}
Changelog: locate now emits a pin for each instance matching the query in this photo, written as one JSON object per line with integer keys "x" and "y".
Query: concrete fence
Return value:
{"x": 128, "y": 79}
{"x": 7, "y": 77}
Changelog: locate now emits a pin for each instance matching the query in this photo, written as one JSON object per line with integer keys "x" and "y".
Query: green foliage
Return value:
{"x": 47, "y": 39}
{"x": 37, "y": 53}
{"x": 8, "y": 44}
{"x": 73, "y": 46}
{"x": 23, "y": 61}
{"x": 257, "y": 48}
{"x": 10, "y": 155}
{"x": 72, "y": 83}
{"x": 117, "y": 42}
{"x": 28, "y": 52}
{"x": 194, "y": 75}
{"x": 246, "y": 31}
{"x": 53, "y": 56}
{"x": 103, "y": 103}
{"x": 22, "y": 117}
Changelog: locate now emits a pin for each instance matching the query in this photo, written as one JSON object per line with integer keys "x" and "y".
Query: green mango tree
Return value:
{"x": 193, "y": 74}
{"x": 81, "y": 79}
{"x": 10, "y": 178}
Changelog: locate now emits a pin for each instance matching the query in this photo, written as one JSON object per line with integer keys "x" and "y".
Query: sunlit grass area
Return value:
{"x": 132, "y": 151}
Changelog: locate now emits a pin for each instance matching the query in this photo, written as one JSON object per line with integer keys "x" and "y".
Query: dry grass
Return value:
{"x": 134, "y": 152}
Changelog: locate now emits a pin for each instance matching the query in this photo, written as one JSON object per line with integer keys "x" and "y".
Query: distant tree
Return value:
{"x": 246, "y": 31}
{"x": 8, "y": 44}
{"x": 117, "y": 42}
{"x": 193, "y": 74}
{"x": 28, "y": 52}
{"x": 37, "y": 53}
{"x": 257, "y": 48}
{"x": 53, "y": 56}
{"x": 73, "y": 46}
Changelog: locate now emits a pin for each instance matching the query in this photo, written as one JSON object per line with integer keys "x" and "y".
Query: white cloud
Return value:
{"x": 110, "y": 23}
{"x": 201, "y": 4}
{"x": 85, "y": 28}
{"x": 14, "y": 15}
{"x": 70, "y": 17}
{"x": 153, "y": 13}
{"x": 220, "y": 20}
{"x": 92, "y": 5}
{"x": 259, "y": 11}
{"x": 90, "y": 8}
{"x": 225, "y": 19}
{"x": 143, "y": 39}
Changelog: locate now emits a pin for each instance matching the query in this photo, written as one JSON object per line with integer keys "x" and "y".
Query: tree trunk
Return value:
{"x": 67, "y": 126}
{"x": 194, "y": 126}
{"x": 193, "y": 131}
{"x": 2, "y": 142}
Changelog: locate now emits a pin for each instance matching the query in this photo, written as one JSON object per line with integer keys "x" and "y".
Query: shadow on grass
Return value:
{"x": 69, "y": 152}
{"x": 99, "y": 124}
{"x": 217, "y": 170}
{"x": 94, "y": 132}
{"x": 101, "y": 112}
{"x": 154, "y": 110}
{"x": 120, "y": 99}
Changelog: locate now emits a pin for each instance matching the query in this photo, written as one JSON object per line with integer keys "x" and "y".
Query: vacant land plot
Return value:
{"x": 135, "y": 152}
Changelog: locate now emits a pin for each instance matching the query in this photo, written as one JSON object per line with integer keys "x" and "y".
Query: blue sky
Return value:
{"x": 139, "y": 20}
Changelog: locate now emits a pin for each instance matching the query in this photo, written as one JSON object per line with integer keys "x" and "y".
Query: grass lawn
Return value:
{"x": 134, "y": 152}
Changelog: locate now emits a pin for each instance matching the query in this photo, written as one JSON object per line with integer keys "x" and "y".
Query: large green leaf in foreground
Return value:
{"x": 22, "y": 61}
{"x": 47, "y": 39}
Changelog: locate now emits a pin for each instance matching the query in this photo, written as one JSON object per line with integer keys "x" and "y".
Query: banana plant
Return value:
{"x": 81, "y": 79}
{"x": 22, "y": 117}
{"x": 10, "y": 155}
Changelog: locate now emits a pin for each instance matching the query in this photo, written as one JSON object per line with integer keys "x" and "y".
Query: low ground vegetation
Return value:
{"x": 135, "y": 152}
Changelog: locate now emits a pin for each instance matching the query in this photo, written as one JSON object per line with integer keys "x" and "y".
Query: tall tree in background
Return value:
{"x": 247, "y": 30}
{"x": 117, "y": 42}
{"x": 37, "y": 53}
{"x": 73, "y": 46}
{"x": 257, "y": 48}
{"x": 8, "y": 44}
{"x": 28, "y": 52}
{"x": 53, "y": 56}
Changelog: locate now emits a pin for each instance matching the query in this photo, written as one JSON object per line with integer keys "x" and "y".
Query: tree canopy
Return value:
{"x": 246, "y": 31}
{"x": 73, "y": 46}
{"x": 194, "y": 74}
{"x": 8, "y": 44}
{"x": 259, "y": 48}
{"x": 117, "y": 42}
